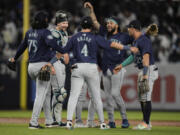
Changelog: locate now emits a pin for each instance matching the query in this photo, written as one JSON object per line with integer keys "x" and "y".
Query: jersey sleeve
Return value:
{"x": 21, "y": 48}
{"x": 145, "y": 46}
{"x": 102, "y": 42}
{"x": 51, "y": 41}
{"x": 102, "y": 31}
{"x": 69, "y": 45}
{"x": 129, "y": 39}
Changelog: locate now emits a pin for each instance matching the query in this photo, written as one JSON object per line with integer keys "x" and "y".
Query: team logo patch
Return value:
{"x": 50, "y": 37}
{"x": 55, "y": 34}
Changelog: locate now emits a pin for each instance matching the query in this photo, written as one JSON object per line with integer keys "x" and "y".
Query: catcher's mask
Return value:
{"x": 61, "y": 16}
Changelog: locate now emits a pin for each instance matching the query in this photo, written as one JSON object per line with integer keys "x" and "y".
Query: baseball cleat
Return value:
{"x": 91, "y": 124}
{"x": 112, "y": 125}
{"x": 69, "y": 125}
{"x": 103, "y": 126}
{"x": 150, "y": 125}
{"x": 35, "y": 127}
{"x": 54, "y": 124}
{"x": 62, "y": 124}
{"x": 142, "y": 126}
{"x": 79, "y": 125}
{"x": 125, "y": 123}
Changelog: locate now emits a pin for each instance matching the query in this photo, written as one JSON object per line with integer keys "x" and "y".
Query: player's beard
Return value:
{"x": 110, "y": 33}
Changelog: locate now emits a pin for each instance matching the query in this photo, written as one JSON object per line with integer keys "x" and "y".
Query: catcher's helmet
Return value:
{"x": 40, "y": 20}
{"x": 86, "y": 22}
{"x": 61, "y": 16}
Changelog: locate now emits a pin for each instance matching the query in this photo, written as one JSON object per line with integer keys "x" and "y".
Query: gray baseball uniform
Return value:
{"x": 59, "y": 78}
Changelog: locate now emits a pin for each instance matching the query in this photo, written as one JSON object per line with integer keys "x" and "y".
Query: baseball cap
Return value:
{"x": 135, "y": 24}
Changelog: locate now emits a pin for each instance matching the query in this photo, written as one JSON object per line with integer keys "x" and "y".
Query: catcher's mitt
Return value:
{"x": 11, "y": 65}
{"x": 45, "y": 73}
{"x": 143, "y": 86}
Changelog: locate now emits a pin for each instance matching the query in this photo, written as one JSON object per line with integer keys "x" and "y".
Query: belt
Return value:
{"x": 155, "y": 69}
{"x": 74, "y": 66}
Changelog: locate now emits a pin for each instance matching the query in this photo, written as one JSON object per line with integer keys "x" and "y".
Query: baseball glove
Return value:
{"x": 143, "y": 86}
{"x": 45, "y": 73}
{"x": 11, "y": 65}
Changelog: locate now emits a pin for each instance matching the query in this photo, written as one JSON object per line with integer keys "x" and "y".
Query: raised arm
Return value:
{"x": 92, "y": 15}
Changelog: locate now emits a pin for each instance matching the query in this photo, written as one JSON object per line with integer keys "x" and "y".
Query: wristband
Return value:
{"x": 145, "y": 70}
{"x": 53, "y": 60}
{"x": 126, "y": 48}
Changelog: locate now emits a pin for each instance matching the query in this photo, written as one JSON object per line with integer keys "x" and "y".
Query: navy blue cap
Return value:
{"x": 135, "y": 24}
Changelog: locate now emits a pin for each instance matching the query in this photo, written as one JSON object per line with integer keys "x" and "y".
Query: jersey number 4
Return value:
{"x": 84, "y": 50}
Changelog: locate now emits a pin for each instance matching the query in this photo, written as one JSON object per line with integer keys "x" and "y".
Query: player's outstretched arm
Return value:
{"x": 92, "y": 15}
{"x": 124, "y": 47}
{"x": 145, "y": 65}
{"x": 125, "y": 63}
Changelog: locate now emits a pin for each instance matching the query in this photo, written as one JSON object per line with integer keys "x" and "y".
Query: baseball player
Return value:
{"x": 61, "y": 36}
{"x": 112, "y": 57}
{"x": 84, "y": 46}
{"x": 144, "y": 60}
{"x": 91, "y": 109}
{"x": 40, "y": 43}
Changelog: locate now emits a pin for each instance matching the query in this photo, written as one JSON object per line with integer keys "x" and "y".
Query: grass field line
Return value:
{"x": 118, "y": 122}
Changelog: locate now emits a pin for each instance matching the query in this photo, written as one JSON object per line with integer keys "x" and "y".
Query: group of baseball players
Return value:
{"x": 92, "y": 56}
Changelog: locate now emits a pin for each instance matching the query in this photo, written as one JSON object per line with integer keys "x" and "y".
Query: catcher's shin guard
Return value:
{"x": 57, "y": 109}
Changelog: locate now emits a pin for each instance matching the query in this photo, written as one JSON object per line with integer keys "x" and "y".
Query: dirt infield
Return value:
{"x": 118, "y": 122}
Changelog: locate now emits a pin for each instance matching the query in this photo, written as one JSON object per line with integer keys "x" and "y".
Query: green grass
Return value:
{"x": 13, "y": 129}
{"x": 21, "y": 129}
{"x": 132, "y": 115}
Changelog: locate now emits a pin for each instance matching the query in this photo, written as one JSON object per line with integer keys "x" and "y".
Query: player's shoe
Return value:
{"x": 142, "y": 126}
{"x": 54, "y": 124}
{"x": 35, "y": 127}
{"x": 62, "y": 124}
{"x": 112, "y": 125}
{"x": 150, "y": 125}
{"x": 79, "y": 125}
{"x": 69, "y": 125}
{"x": 103, "y": 126}
{"x": 125, "y": 123}
{"x": 91, "y": 124}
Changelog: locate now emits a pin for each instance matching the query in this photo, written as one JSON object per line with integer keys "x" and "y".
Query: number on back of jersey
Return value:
{"x": 32, "y": 46}
{"x": 84, "y": 50}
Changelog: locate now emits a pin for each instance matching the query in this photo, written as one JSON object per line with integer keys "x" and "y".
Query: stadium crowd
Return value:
{"x": 165, "y": 13}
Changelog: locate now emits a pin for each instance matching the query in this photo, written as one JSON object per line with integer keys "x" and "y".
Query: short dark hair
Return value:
{"x": 86, "y": 22}
{"x": 40, "y": 20}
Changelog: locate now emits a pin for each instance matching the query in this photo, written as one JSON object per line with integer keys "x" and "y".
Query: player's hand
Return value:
{"x": 134, "y": 50}
{"x": 66, "y": 58}
{"x": 117, "y": 69}
{"x": 12, "y": 60}
{"x": 99, "y": 69}
{"x": 59, "y": 55}
{"x": 117, "y": 45}
{"x": 145, "y": 77}
{"x": 88, "y": 5}
{"x": 53, "y": 72}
